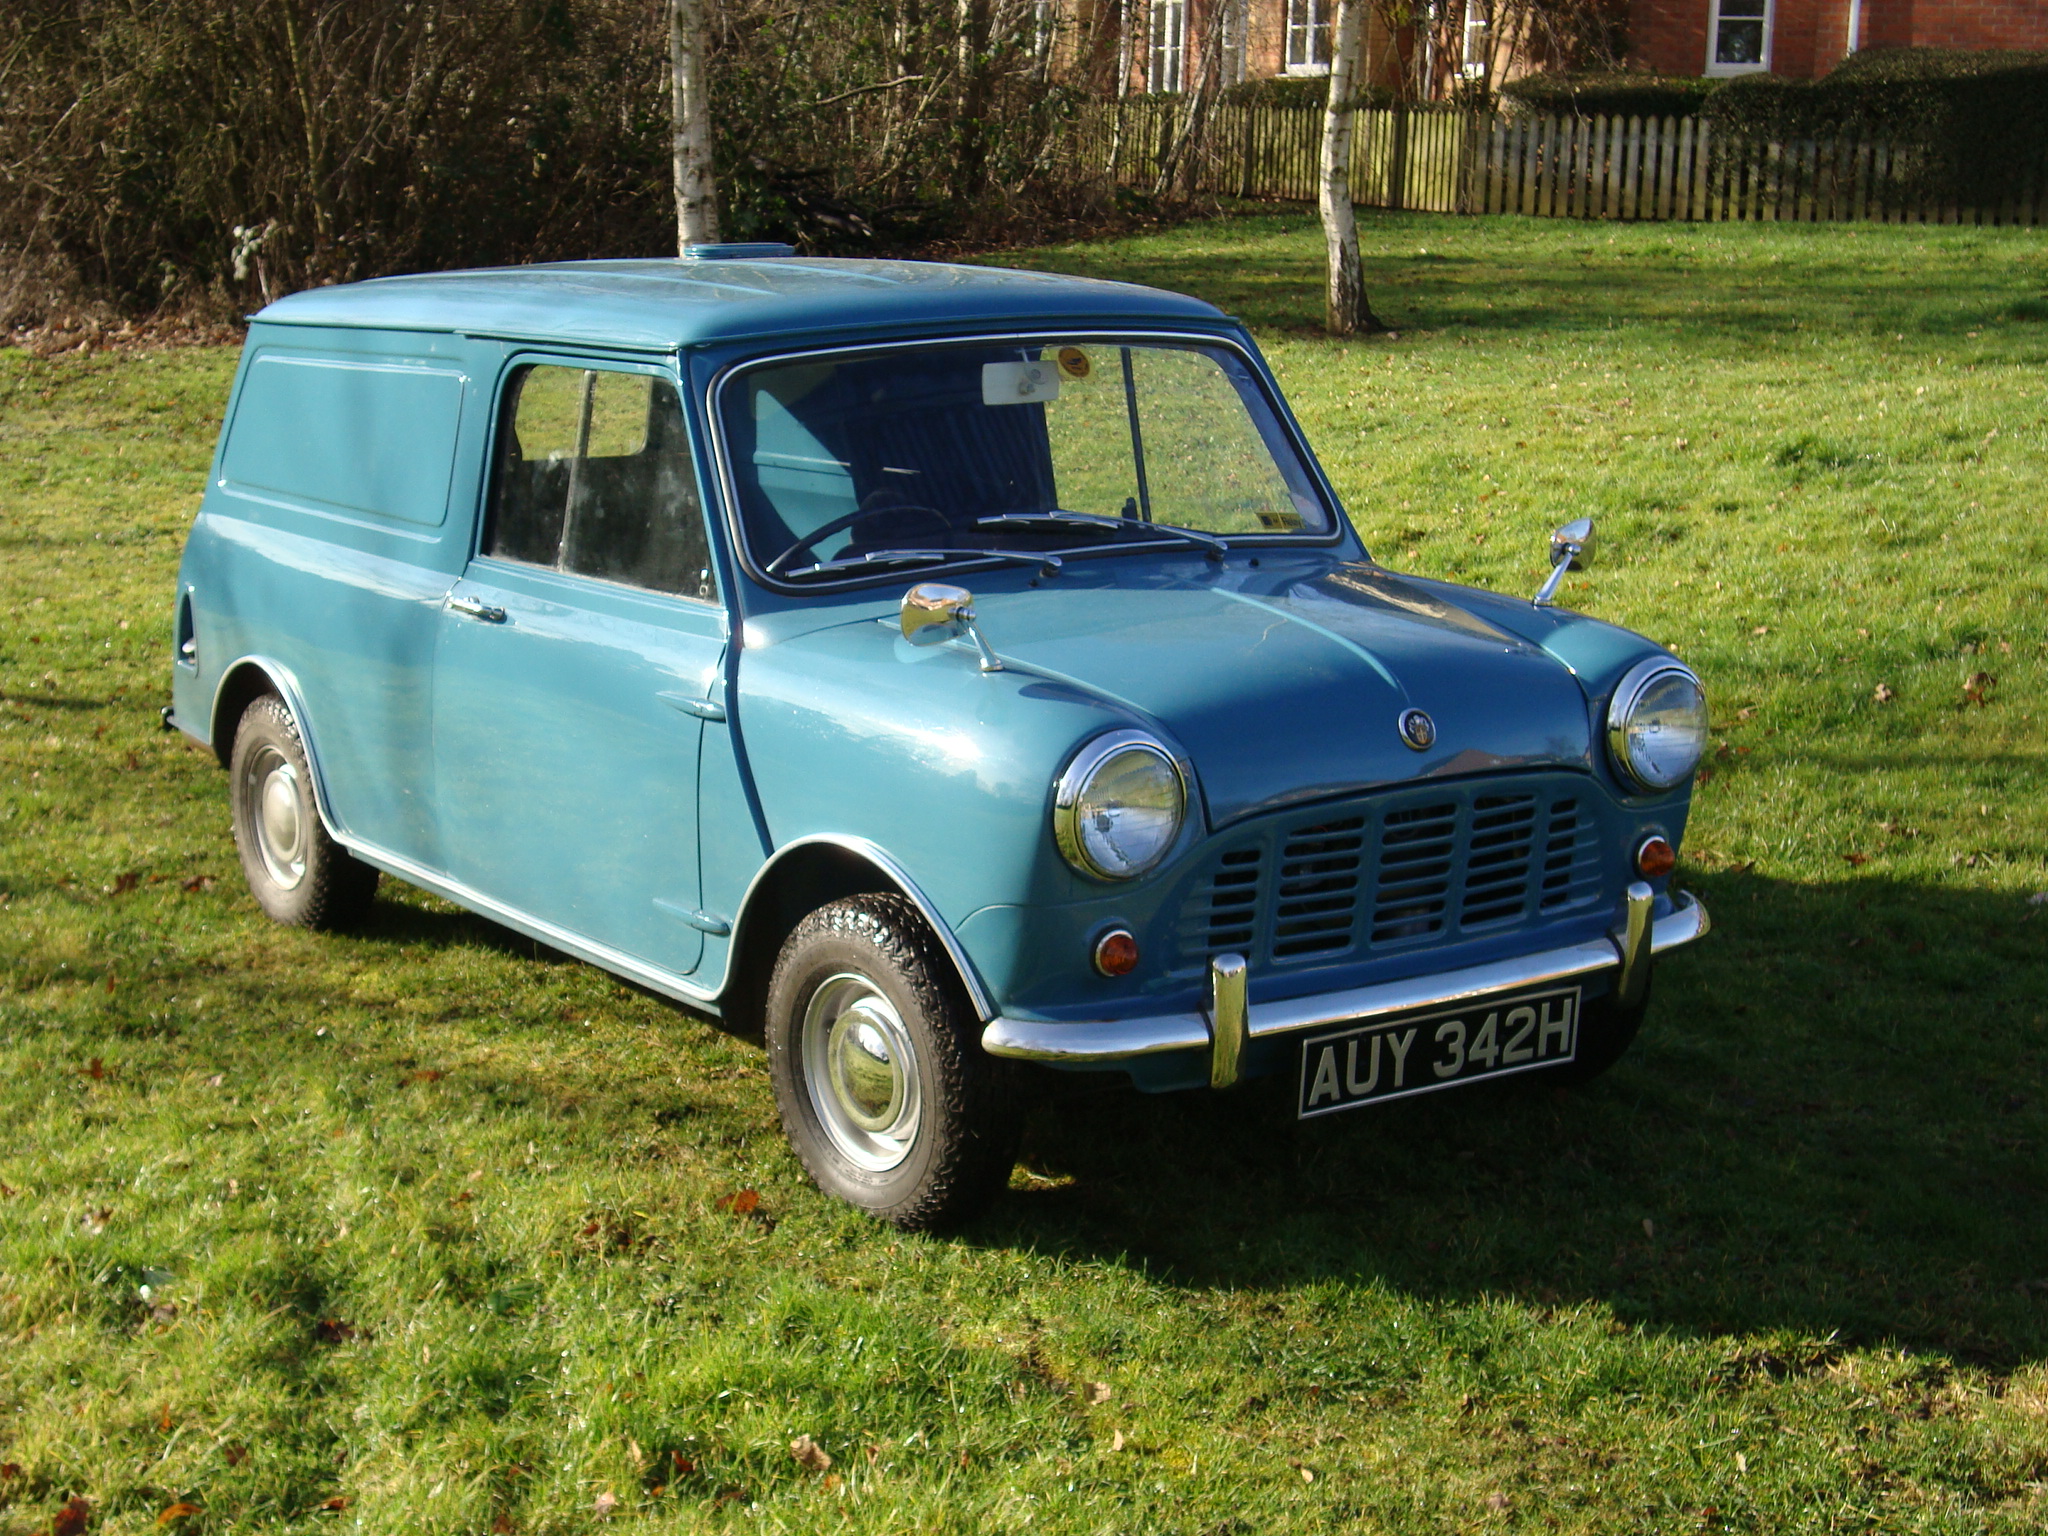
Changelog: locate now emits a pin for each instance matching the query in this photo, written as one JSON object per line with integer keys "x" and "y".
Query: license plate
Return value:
{"x": 1397, "y": 1058}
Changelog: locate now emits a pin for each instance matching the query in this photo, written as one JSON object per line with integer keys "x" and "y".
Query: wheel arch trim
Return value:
{"x": 753, "y": 903}
{"x": 286, "y": 687}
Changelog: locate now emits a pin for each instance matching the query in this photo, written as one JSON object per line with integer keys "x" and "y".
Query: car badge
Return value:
{"x": 1417, "y": 729}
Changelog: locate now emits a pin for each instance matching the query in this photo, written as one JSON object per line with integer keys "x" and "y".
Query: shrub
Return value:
{"x": 1613, "y": 93}
{"x": 1976, "y": 122}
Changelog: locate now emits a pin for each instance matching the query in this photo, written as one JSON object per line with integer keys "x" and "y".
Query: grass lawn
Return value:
{"x": 426, "y": 1229}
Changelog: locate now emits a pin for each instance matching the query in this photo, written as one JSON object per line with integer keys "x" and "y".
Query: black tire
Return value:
{"x": 1606, "y": 1030}
{"x": 296, "y": 872}
{"x": 860, "y": 987}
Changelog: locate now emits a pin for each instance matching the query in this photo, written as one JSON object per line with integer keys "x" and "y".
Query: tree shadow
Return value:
{"x": 1835, "y": 1123}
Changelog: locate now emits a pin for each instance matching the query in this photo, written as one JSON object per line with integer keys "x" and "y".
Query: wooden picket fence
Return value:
{"x": 1451, "y": 161}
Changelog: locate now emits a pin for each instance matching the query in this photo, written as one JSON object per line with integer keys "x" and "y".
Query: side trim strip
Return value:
{"x": 1103, "y": 1042}
{"x": 650, "y": 976}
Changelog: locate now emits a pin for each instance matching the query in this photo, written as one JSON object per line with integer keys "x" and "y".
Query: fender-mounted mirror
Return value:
{"x": 934, "y": 613}
{"x": 1571, "y": 549}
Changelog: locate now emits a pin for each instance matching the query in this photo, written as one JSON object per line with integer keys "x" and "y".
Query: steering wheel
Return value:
{"x": 852, "y": 519}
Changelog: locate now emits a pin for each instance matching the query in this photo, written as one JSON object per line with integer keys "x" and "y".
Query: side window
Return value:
{"x": 594, "y": 477}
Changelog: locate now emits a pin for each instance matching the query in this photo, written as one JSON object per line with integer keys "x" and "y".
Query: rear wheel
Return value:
{"x": 885, "y": 1092}
{"x": 296, "y": 872}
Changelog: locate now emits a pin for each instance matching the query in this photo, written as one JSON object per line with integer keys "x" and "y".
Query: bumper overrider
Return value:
{"x": 1231, "y": 1021}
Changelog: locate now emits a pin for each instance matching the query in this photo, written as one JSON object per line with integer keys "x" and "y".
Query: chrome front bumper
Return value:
{"x": 1230, "y": 1020}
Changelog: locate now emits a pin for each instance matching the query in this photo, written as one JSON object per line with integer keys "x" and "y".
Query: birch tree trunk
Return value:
{"x": 696, "y": 189}
{"x": 1346, "y": 311}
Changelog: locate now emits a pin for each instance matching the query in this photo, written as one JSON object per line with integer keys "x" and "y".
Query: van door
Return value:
{"x": 577, "y": 662}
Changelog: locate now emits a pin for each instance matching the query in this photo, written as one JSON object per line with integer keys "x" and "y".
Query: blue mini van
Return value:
{"x": 626, "y": 603}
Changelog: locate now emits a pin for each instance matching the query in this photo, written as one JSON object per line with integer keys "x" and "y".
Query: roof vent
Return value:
{"x": 739, "y": 250}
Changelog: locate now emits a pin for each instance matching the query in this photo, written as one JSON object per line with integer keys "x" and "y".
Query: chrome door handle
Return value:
{"x": 469, "y": 607}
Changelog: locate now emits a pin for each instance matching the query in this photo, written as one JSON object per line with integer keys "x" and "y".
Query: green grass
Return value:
{"x": 431, "y": 1220}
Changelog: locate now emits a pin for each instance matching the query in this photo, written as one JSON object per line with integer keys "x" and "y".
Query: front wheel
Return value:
{"x": 885, "y": 1092}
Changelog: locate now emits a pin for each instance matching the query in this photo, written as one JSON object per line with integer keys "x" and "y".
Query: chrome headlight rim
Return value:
{"x": 1628, "y": 693}
{"x": 1072, "y": 785}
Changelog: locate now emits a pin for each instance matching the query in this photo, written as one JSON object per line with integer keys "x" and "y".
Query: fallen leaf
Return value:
{"x": 683, "y": 1465}
{"x": 196, "y": 884}
{"x": 1741, "y": 1462}
{"x": 742, "y": 1202}
{"x": 334, "y": 1331}
{"x": 502, "y": 1526}
{"x": 1649, "y": 1227}
{"x": 1977, "y": 688}
{"x": 605, "y": 1504}
{"x": 7, "y": 1190}
{"x": 478, "y": 1174}
{"x": 94, "y": 1069}
{"x": 1747, "y": 713}
{"x": 832, "y": 1483}
{"x": 1098, "y": 1392}
{"x": 1307, "y": 1472}
{"x": 425, "y": 1075}
{"x": 95, "y": 1222}
{"x": 216, "y": 1080}
{"x": 10, "y": 1469}
{"x": 179, "y": 1511}
{"x": 71, "y": 1519}
{"x": 1497, "y": 1502}
{"x": 124, "y": 883}
{"x": 236, "y": 1454}
{"x": 163, "y": 1419}
{"x": 1856, "y": 860}
{"x": 163, "y": 1312}
{"x": 809, "y": 1454}
{"x": 1116, "y": 1441}
{"x": 337, "y": 1502}
{"x": 1883, "y": 693}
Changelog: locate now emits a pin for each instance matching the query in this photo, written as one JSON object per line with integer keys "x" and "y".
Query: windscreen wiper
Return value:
{"x": 878, "y": 558}
{"x": 1041, "y": 522}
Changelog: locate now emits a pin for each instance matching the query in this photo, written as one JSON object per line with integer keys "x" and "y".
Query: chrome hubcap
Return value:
{"x": 860, "y": 1068}
{"x": 279, "y": 817}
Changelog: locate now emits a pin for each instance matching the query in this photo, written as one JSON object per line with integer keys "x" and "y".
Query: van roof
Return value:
{"x": 682, "y": 301}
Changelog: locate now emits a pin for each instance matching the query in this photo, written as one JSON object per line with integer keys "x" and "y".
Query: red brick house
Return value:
{"x": 1806, "y": 38}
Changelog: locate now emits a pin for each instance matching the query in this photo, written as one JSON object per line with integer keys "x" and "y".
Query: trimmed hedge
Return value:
{"x": 1977, "y": 122}
{"x": 1616, "y": 93}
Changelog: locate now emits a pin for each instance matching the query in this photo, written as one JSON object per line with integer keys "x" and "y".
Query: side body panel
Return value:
{"x": 335, "y": 520}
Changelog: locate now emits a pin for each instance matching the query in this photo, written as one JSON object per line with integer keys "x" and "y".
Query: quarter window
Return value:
{"x": 594, "y": 476}
{"x": 1739, "y": 42}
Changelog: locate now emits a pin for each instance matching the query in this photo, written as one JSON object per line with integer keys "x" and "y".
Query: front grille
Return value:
{"x": 1400, "y": 871}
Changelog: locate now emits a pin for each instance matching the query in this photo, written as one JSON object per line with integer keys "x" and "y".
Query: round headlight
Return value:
{"x": 1117, "y": 809}
{"x": 1657, "y": 724}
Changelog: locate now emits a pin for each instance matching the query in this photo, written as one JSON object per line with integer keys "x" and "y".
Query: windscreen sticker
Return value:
{"x": 1018, "y": 384}
{"x": 1073, "y": 362}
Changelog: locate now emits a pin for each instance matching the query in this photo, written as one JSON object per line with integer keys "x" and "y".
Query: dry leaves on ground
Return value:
{"x": 1097, "y": 1392}
{"x": 809, "y": 1454}
{"x": 71, "y": 1520}
{"x": 1883, "y": 693}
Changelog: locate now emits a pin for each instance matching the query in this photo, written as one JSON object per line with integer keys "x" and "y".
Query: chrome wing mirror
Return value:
{"x": 1571, "y": 549}
{"x": 934, "y": 613}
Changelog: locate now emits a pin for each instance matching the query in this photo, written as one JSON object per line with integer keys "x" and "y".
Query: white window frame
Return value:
{"x": 1478, "y": 40}
{"x": 1166, "y": 46}
{"x": 1233, "y": 16}
{"x": 1308, "y": 22}
{"x": 1763, "y": 65}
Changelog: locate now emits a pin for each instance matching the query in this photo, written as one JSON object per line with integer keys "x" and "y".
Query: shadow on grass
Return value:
{"x": 1835, "y": 1123}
